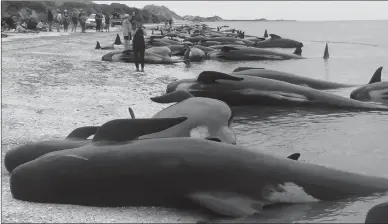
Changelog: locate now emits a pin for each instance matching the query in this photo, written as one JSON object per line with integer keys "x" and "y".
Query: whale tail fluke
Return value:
{"x": 376, "y": 76}
{"x": 118, "y": 40}
{"x": 326, "y": 53}
{"x": 98, "y": 46}
{"x": 265, "y": 33}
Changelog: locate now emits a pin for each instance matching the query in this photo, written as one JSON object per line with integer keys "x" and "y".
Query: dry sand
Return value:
{"x": 53, "y": 83}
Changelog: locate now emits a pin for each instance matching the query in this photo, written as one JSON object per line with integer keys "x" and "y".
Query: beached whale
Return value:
{"x": 229, "y": 180}
{"x": 250, "y": 53}
{"x": 128, "y": 56}
{"x": 245, "y": 90}
{"x": 289, "y": 77}
{"x": 278, "y": 42}
{"x": 375, "y": 90}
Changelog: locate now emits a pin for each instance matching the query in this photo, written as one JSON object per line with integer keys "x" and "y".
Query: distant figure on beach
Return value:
{"x": 74, "y": 19}
{"x": 107, "y": 22}
{"x": 127, "y": 27}
{"x": 50, "y": 18}
{"x": 82, "y": 20}
{"x": 138, "y": 45}
{"x": 99, "y": 20}
{"x": 58, "y": 19}
{"x": 170, "y": 22}
{"x": 66, "y": 21}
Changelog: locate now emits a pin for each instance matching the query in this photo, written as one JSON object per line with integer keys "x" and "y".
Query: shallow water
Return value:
{"x": 54, "y": 84}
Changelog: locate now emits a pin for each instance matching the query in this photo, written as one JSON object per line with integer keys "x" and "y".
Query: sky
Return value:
{"x": 288, "y": 10}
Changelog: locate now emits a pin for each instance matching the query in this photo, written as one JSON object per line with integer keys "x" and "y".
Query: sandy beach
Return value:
{"x": 55, "y": 83}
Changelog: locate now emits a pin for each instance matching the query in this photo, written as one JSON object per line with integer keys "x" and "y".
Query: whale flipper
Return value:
{"x": 121, "y": 130}
{"x": 376, "y": 76}
{"x": 274, "y": 36}
{"x": 173, "y": 97}
{"x": 213, "y": 139}
{"x": 98, "y": 46}
{"x": 83, "y": 132}
{"x": 209, "y": 77}
{"x": 239, "y": 69}
{"x": 228, "y": 203}
{"x": 131, "y": 112}
{"x": 118, "y": 40}
{"x": 294, "y": 156}
{"x": 228, "y": 48}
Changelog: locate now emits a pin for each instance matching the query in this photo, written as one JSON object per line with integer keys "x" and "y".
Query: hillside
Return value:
{"x": 164, "y": 12}
{"x": 26, "y": 9}
{"x": 203, "y": 19}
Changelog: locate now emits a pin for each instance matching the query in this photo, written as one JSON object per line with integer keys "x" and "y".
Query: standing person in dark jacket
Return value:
{"x": 74, "y": 18}
{"x": 50, "y": 18}
{"x": 138, "y": 46}
{"x": 66, "y": 20}
{"x": 82, "y": 20}
{"x": 98, "y": 20}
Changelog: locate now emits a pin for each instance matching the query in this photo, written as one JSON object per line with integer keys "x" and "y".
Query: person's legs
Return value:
{"x": 142, "y": 59}
{"x": 126, "y": 43}
{"x": 50, "y": 23}
{"x": 136, "y": 57}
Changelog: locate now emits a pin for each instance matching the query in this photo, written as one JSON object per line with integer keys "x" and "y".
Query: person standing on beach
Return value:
{"x": 138, "y": 45}
{"x": 65, "y": 20}
{"x": 58, "y": 19}
{"x": 98, "y": 20}
{"x": 127, "y": 27}
{"x": 107, "y": 22}
{"x": 74, "y": 19}
{"x": 50, "y": 18}
{"x": 82, "y": 21}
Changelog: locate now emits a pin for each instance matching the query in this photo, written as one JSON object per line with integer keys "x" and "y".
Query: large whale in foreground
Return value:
{"x": 378, "y": 214}
{"x": 245, "y": 90}
{"x": 206, "y": 118}
{"x": 375, "y": 90}
{"x": 128, "y": 56}
{"x": 118, "y": 170}
{"x": 289, "y": 77}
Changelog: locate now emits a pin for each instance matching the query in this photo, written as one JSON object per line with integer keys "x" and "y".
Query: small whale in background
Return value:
{"x": 109, "y": 47}
{"x": 375, "y": 90}
{"x": 326, "y": 53}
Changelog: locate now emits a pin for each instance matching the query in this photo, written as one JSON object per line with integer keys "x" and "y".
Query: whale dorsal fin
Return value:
{"x": 239, "y": 69}
{"x": 376, "y": 76}
{"x": 209, "y": 77}
{"x": 121, "y": 130}
{"x": 173, "y": 97}
{"x": 274, "y": 36}
{"x": 265, "y": 33}
{"x": 294, "y": 156}
{"x": 83, "y": 132}
{"x": 228, "y": 48}
{"x": 118, "y": 40}
{"x": 98, "y": 46}
{"x": 228, "y": 203}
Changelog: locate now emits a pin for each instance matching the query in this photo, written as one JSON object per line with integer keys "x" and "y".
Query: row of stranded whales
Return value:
{"x": 206, "y": 118}
{"x": 245, "y": 90}
{"x": 117, "y": 169}
{"x": 375, "y": 90}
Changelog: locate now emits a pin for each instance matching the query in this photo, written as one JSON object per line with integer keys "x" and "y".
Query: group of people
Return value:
{"x": 77, "y": 16}
{"x": 133, "y": 30}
